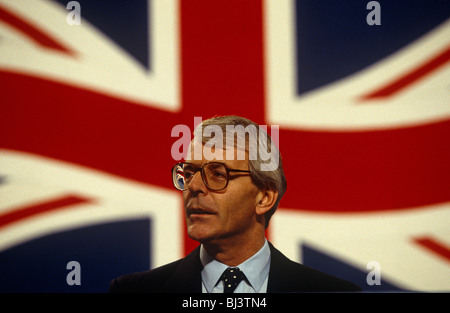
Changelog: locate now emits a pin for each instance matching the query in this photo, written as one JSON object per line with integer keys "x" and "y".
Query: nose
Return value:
{"x": 196, "y": 184}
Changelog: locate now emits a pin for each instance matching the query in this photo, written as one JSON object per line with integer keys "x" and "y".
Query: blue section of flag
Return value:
{"x": 333, "y": 39}
{"x": 125, "y": 22}
{"x": 104, "y": 252}
{"x": 324, "y": 262}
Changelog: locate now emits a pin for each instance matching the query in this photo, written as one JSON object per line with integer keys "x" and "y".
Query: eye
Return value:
{"x": 188, "y": 172}
{"x": 218, "y": 174}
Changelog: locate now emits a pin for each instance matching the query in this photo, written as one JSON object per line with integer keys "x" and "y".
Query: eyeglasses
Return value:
{"x": 215, "y": 175}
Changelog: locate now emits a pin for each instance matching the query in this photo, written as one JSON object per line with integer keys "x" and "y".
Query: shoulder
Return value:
{"x": 289, "y": 276}
{"x": 145, "y": 281}
{"x": 183, "y": 275}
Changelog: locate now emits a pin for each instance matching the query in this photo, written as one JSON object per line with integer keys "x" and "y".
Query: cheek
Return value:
{"x": 239, "y": 207}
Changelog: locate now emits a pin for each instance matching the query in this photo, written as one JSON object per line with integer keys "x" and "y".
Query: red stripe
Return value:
{"x": 410, "y": 78}
{"x": 222, "y": 58}
{"x": 434, "y": 246}
{"x": 326, "y": 171}
{"x": 222, "y": 61}
{"x": 29, "y": 211}
{"x": 32, "y": 32}
{"x": 368, "y": 170}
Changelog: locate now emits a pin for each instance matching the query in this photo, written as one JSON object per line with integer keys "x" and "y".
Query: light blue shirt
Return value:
{"x": 256, "y": 269}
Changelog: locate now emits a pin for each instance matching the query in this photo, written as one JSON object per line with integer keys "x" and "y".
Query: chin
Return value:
{"x": 198, "y": 234}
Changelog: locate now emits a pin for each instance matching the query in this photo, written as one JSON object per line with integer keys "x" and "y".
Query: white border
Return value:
{"x": 99, "y": 64}
{"x": 32, "y": 179}
{"x": 336, "y": 106}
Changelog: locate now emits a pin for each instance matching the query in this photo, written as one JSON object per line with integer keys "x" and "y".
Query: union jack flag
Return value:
{"x": 87, "y": 112}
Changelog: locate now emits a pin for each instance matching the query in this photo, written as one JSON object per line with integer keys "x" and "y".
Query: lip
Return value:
{"x": 198, "y": 212}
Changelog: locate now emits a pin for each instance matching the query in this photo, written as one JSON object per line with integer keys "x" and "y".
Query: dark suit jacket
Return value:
{"x": 184, "y": 276}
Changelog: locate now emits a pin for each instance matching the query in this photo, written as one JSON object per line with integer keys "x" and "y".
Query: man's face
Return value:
{"x": 215, "y": 215}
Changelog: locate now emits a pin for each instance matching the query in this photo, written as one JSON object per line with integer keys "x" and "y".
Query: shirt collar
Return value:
{"x": 256, "y": 268}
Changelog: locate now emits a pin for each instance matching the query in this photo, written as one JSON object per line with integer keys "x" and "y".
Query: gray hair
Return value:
{"x": 265, "y": 175}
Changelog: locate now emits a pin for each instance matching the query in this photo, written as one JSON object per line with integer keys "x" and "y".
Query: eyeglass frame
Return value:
{"x": 202, "y": 174}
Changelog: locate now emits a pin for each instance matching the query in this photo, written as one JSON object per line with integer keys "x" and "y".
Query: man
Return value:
{"x": 231, "y": 188}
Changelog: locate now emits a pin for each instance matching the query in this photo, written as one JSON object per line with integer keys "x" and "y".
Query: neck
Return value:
{"x": 234, "y": 251}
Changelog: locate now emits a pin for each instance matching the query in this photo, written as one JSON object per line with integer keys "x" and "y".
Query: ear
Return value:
{"x": 265, "y": 201}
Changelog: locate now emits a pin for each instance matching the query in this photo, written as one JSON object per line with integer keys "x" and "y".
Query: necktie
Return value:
{"x": 231, "y": 277}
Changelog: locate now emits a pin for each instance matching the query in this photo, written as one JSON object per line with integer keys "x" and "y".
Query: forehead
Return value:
{"x": 200, "y": 153}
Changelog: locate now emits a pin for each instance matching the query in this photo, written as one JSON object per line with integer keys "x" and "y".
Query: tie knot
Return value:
{"x": 231, "y": 278}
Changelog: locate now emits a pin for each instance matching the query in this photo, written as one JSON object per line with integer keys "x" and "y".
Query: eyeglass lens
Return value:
{"x": 214, "y": 175}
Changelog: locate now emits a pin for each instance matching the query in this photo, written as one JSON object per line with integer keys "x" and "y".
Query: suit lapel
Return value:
{"x": 187, "y": 277}
{"x": 275, "y": 273}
